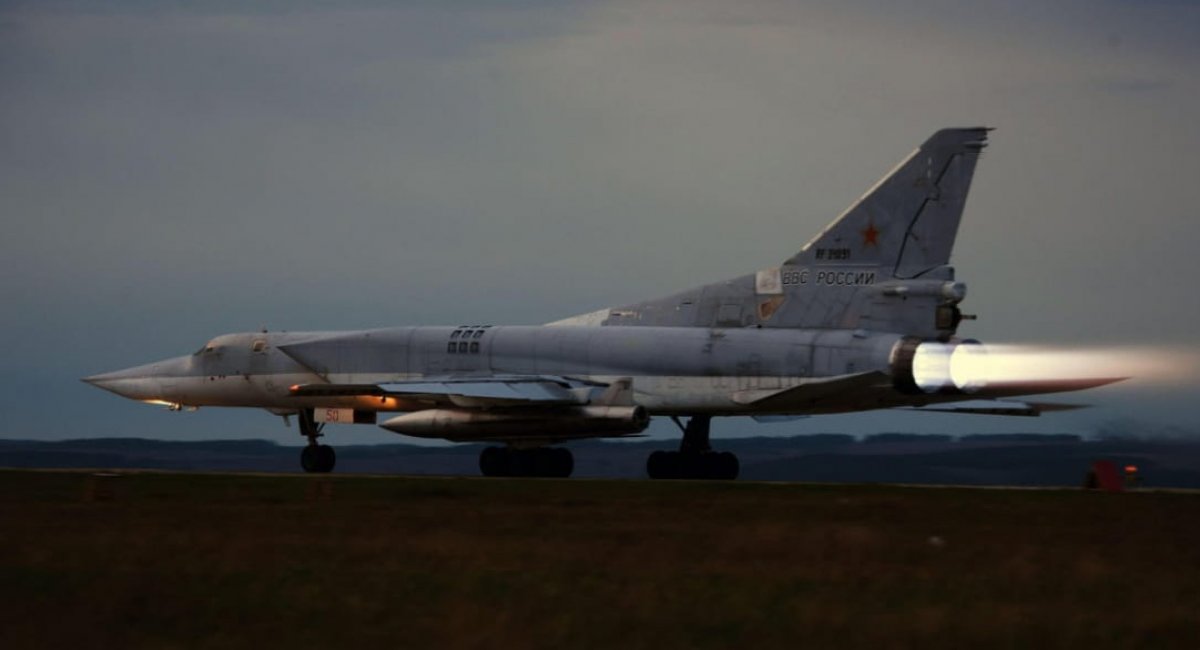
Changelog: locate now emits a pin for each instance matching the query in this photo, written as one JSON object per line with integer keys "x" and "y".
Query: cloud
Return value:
{"x": 1133, "y": 86}
{"x": 170, "y": 173}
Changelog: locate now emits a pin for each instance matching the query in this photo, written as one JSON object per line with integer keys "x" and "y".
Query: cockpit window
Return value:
{"x": 258, "y": 345}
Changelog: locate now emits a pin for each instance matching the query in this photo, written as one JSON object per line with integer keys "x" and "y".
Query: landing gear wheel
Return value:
{"x": 318, "y": 459}
{"x": 564, "y": 462}
{"x": 494, "y": 461}
{"x": 523, "y": 462}
{"x": 308, "y": 459}
{"x": 695, "y": 458}
{"x": 728, "y": 466}
{"x": 661, "y": 464}
{"x": 326, "y": 458}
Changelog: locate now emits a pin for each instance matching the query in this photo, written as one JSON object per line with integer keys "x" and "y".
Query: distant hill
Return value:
{"x": 1010, "y": 459}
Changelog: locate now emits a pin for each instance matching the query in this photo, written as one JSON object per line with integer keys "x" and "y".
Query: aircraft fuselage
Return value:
{"x": 674, "y": 370}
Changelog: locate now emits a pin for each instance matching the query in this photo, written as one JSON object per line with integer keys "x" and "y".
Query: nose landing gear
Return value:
{"x": 316, "y": 458}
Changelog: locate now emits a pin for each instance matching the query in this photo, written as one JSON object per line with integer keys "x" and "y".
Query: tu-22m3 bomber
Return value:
{"x": 863, "y": 317}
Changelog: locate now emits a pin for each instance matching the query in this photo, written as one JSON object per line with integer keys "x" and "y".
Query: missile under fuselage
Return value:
{"x": 571, "y": 422}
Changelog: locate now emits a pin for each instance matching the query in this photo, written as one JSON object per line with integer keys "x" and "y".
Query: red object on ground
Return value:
{"x": 1104, "y": 476}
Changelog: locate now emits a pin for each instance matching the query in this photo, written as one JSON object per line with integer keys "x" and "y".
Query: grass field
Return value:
{"x": 220, "y": 561}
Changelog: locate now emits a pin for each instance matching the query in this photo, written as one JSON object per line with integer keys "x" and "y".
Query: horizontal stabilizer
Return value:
{"x": 998, "y": 407}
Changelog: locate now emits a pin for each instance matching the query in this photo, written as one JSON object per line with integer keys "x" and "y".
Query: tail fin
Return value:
{"x": 882, "y": 265}
{"x": 906, "y": 224}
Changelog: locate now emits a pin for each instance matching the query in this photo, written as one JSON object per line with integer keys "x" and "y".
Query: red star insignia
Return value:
{"x": 870, "y": 235}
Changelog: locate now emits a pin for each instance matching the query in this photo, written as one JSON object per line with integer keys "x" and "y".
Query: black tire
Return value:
{"x": 548, "y": 462}
{"x": 728, "y": 466}
{"x": 309, "y": 459}
{"x": 539, "y": 462}
{"x": 654, "y": 465}
{"x": 564, "y": 462}
{"x": 494, "y": 461}
{"x": 662, "y": 465}
{"x": 522, "y": 462}
{"x": 701, "y": 467}
{"x": 326, "y": 459}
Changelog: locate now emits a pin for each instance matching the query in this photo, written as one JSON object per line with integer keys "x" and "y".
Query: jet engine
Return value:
{"x": 920, "y": 366}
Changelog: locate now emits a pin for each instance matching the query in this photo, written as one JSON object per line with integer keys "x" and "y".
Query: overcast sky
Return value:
{"x": 168, "y": 173}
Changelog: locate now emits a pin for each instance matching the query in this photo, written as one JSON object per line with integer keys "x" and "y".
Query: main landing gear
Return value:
{"x": 546, "y": 462}
{"x": 315, "y": 459}
{"x": 695, "y": 458}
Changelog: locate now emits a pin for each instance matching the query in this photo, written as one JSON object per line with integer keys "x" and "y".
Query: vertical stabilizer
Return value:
{"x": 880, "y": 266}
{"x": 906, "y": 223}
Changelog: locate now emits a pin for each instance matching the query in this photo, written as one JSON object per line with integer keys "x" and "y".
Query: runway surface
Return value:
{"x": 156, "y": 559}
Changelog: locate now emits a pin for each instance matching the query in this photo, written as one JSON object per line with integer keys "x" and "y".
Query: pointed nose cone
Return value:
{"x": 95, "y": 380}
{"x": 140, "y": 383}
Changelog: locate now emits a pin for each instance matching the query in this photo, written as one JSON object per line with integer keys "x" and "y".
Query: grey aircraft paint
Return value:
{"x": 863, "y": 317}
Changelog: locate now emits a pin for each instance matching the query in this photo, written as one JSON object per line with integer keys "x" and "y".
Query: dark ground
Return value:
{"x": 221, "y": 561}
{"x": 1015, "y": 459}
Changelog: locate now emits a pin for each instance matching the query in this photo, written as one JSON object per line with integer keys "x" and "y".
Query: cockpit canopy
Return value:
{"x": 252, "y": 342}
{"x": 206, "y": 348}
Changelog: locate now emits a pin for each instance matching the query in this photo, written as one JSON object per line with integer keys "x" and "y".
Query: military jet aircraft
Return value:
{"x": 863, "y": 317}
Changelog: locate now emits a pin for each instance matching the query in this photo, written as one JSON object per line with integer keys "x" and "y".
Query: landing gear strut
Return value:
{"x": 316, "y": 458}
{"x": 546, "y": 462}
{"x": 695, "y": 458}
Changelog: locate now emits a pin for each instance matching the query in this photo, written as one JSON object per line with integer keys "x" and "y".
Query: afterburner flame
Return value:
{"x": 1002, "y": 364}
{"x": 960, "y": 365}
{"x": 968, "y": 367}
{"x": 931, "y": 366}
